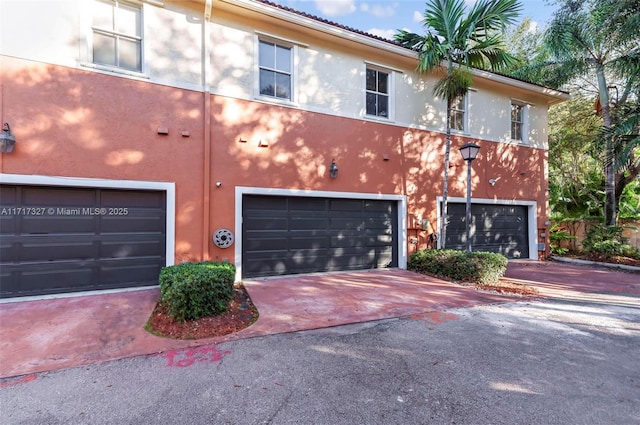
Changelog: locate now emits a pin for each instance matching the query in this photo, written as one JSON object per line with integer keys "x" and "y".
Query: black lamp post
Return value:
{"x": 469, "y": 152}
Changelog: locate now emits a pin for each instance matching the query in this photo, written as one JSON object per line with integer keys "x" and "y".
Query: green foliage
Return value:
{"x": 524, "y": 42}
{"x": 597, "y": 41}
{"x": 462, "y": 42}
{"x": 455, "y": 84}
{"x": 474, "y": 267}
{"x": 194, "y": 290}
{"x": 576, "y": 172}
{"x": 630, "y": 201}
{"x": 576, "y": 177}
{"x": 608, "y": 240}
{"x": 471, "y": 41}
{"x": 591, "y": 49}
{"x": 626, "y": 136}
{"x": 557, "y": 235}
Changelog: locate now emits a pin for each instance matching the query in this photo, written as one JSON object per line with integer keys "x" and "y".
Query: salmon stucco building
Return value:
{"x": 149, "y": 133}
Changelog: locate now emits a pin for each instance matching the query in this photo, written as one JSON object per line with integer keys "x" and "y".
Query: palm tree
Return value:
{"x": 625, "y": 137}
{"x": 598, "y": 39}
{"x": 459, "y": 43}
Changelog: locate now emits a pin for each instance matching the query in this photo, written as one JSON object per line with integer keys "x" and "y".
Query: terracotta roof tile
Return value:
{"x": 375, "y": 37}
{"x": 328, "y": 22}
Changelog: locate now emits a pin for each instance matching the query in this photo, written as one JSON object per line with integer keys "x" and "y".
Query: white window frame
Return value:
{"x": 465, "y": 114}
{"x": 89, "y": 59}
{"x": 524, "y": 123}
{"x": 282, "y": 42}
{"x": 390, "y": 91}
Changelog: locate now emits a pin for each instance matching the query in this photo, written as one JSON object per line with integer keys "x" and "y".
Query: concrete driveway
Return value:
{"x": 571, "y": 358}
{"x": 52, "y": 334}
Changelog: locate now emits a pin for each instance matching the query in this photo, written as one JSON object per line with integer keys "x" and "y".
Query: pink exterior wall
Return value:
{"x": 302, "y": 144}
{"x": 85, "y": 124}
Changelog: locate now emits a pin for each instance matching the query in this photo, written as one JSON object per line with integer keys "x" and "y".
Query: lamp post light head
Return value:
{"x": 7, "y": 139}
{"x": 469, "y": 151}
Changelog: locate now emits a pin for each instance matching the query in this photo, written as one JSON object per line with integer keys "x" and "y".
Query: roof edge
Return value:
{"x": 351, "y": 34}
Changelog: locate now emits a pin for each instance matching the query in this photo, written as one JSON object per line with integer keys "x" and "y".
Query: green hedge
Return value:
{"x": 194, "y": 290}
{"x": 474, "y": 267}
{"x": 608, "y": 240}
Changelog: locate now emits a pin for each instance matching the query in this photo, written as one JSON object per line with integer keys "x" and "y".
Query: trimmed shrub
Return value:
{"x": 608, "y": 240}
{"x": 558, "y": 236}
{"x": 194, "y": 290}
{"x": 474, "y": 267}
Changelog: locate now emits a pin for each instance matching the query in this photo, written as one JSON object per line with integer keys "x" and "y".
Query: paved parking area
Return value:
{"x": 527, "y": 362}
{"x": 38, "y": 336}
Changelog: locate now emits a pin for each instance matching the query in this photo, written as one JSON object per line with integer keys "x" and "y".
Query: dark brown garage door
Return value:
{"x": 495, "y": 228}
{"x": 288, "y": 235}
{"x": 60, "y": 239}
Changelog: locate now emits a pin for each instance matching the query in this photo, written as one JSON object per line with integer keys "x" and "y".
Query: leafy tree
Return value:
{"x": 576, "y": 180}
{"x": 523, "y": 41}
{"x": 458, "y": 43}
{"x": 576, "y": 154}
{"x": 625, "y": 139}
{"x": 630, "y": 201}
{"x": 599, "y": 40}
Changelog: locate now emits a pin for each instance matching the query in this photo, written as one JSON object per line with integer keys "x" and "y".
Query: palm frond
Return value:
{"x": 498, "y": 59}
{"x": 625, "y": 138}
{"x": 627, "y": 66}
{"x": 409, "y": 40}
{"x": 430, "y": 51}
{"x": 489, "y": 16}
{"x": 455, "y": 84}
{"x": 444, "y": 16}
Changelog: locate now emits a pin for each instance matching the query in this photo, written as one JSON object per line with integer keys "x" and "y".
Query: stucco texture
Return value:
{"x": 76, "y": 123}
{"x": 297, "y": 148}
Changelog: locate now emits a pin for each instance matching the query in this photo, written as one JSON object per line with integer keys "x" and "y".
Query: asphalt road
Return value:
{"x": 530, "y": 362}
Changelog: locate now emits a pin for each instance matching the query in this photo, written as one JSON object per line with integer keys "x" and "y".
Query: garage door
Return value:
{"x": 288, "y": 235}
{"x": 60, "y": 239}
{"x": 495, "y": 228}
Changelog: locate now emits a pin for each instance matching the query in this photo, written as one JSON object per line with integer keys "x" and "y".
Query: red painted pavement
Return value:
{"x": 37, "y": 336}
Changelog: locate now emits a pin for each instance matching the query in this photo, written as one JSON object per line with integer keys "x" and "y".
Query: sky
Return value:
{"x": 384, "y": 17}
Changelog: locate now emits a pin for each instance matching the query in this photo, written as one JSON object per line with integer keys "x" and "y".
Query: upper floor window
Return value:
{"x": 275, "y": 63}
{"x": 457, "y": 113}
{"x": 117, "y": 34}
{"x": 377, "y": 89}
{"x": 517, "y": 122}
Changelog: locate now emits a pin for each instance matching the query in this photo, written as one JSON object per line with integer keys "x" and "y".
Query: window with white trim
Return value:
{"x": 117, "y": 34}
{"x": 275, "y": 67}
{"x": 518, "y": 122}
{"x": 457, "y": 113}
{"x": 377, "y": 93}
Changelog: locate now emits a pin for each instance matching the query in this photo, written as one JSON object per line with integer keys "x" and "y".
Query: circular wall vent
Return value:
{"x": 223, "y": 238}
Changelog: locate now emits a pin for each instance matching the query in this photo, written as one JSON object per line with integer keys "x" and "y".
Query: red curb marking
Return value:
{"x": 22, "y": 380}
{"x": 186, "y": 358}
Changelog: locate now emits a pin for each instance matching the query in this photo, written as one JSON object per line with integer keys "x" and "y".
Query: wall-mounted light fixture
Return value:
{"x": 7, "y": 139}
{"x": 493, "y": 182}
{"x": 333, "y": 169}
